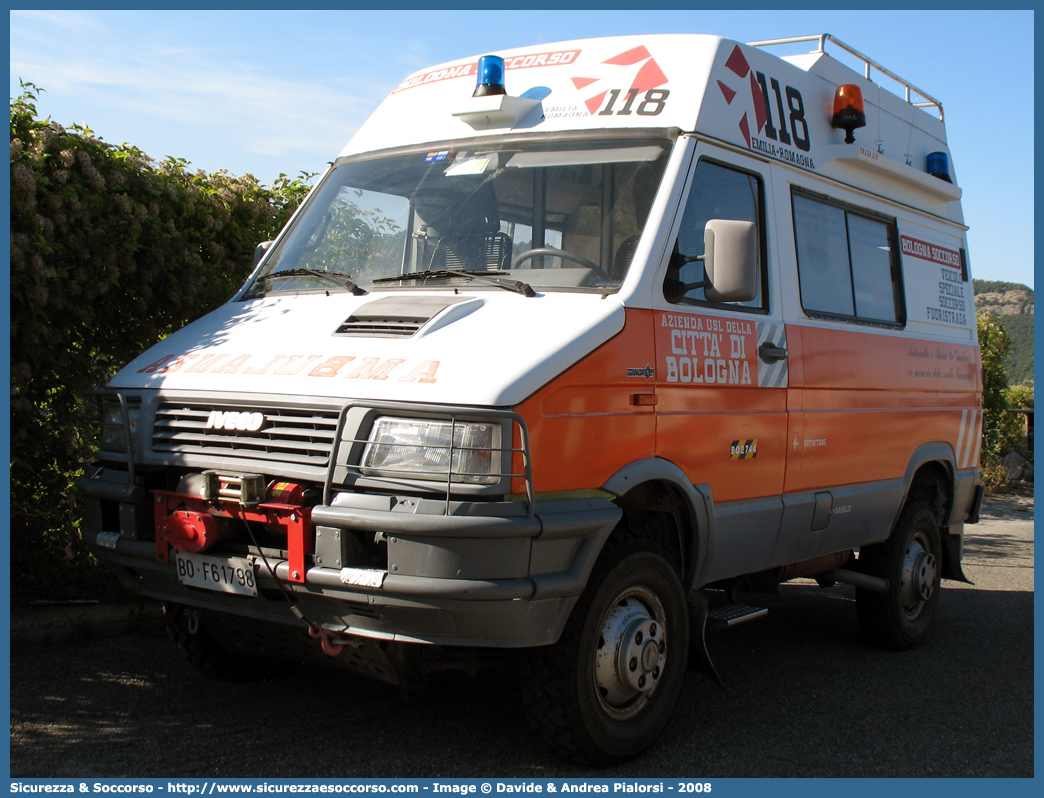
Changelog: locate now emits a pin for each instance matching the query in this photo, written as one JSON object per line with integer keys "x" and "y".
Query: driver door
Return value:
{"x": 723, "y": 375}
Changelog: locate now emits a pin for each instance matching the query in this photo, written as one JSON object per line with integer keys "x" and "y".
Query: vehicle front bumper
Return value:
{"x": 474, "y": 573}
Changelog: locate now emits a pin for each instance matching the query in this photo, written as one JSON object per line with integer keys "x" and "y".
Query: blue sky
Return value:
{"x": 267, "y": 92}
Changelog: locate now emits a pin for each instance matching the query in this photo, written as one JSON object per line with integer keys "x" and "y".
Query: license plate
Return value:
{"x": 222, "y": 574}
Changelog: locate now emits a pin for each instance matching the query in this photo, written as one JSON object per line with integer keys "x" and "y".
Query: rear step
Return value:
{"x": 732, "y": 614}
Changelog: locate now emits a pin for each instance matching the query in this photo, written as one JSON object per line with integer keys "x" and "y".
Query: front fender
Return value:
{"x": 698, "y": 500}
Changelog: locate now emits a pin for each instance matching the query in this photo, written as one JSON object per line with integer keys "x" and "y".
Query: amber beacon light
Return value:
{"x": 848, "y": 110}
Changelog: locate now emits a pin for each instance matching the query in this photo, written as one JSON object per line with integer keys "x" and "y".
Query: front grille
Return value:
{"x": 297, "y": 436}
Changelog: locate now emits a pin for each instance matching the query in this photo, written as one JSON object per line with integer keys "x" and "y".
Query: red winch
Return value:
{"x": 191, "y": 530}
{"x": 194, "y": 522}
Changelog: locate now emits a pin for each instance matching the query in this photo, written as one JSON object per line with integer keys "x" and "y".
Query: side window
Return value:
{"x": 848, "y": 266}
{"x": 718, "y": 192}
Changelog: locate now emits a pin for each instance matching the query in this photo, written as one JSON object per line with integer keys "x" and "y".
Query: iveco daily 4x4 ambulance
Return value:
{"x": 567, "y": 346}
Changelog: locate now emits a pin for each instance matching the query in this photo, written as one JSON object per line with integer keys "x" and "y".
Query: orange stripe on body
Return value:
{"x": 858, "y": 405}
{"x": 584, "y": 425}
{"x": 867, "y": 401}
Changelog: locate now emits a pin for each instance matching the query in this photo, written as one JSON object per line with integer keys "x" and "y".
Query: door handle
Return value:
{"x": 770, "y": 353}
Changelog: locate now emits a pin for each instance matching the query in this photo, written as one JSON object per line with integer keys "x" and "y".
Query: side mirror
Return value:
{"x": 260, "y": 250}
{"x": 729, "y": 264}
{"x": 730, "y": 260}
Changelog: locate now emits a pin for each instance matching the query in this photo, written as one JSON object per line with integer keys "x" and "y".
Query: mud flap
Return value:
{"x": 952, "y": 546}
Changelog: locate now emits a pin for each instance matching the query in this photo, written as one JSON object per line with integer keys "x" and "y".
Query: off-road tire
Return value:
{"x": 911, "y": 560}
{"x": 634, "y": 587}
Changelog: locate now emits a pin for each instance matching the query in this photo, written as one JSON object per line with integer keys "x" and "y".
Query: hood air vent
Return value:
{"x": 395, "y": 317}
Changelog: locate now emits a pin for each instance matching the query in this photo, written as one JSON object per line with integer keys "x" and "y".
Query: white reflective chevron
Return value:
{"x": 969, "y": 439}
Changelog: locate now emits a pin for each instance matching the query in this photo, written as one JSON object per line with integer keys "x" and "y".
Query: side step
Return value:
{"x": 732, "y": 614}
{"x": 727, "y": 616}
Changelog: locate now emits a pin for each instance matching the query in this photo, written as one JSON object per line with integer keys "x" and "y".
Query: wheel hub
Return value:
{"x": 631, "y": 653}
{"x": 919, "y": 577}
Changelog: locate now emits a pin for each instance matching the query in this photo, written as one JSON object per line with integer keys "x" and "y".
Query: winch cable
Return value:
{"x": 290, "y": 598}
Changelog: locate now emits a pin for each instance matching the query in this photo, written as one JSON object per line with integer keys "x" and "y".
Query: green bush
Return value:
{"x": 110, "y": 252}
{"x": 1020, "y": 396}
{"x": 1020, "y": 329}
{"x": 1001, "y": 430}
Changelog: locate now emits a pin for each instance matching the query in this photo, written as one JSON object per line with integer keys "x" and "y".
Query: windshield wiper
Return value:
{"x": 334, "y": 277}
{"x": 511, "y": 285}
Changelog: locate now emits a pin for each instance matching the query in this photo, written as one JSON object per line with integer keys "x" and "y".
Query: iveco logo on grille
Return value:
{"x": 233, "y": 421}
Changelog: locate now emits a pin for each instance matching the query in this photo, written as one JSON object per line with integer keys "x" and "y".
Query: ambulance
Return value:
{"x": 573, "y": 350}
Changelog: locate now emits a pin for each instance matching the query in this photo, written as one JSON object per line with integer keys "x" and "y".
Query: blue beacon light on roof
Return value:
{"x": 490, "y": 76}
{"x": 939, "y": 166}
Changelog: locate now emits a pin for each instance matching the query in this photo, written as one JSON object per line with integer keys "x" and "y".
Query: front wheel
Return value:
{"x": 911, "y": 562}
{"x": 607, "y": 689}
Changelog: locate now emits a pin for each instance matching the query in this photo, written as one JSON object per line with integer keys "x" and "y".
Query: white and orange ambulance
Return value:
{"x": 570, "y": 346}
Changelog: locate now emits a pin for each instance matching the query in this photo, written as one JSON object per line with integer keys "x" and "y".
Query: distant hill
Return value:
{"x": 999, "y": 298}
{"x": 1012, "y": 305}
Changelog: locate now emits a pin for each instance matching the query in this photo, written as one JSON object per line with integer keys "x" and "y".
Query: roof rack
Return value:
{"x": 928, "y": 100}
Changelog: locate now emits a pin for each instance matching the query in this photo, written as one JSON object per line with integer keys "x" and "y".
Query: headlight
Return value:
{"x": 113, "y": 431}
{"x": 465, "y": 451}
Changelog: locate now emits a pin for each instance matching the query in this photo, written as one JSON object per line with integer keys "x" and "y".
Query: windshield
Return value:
{"x": 557, "y": 216}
